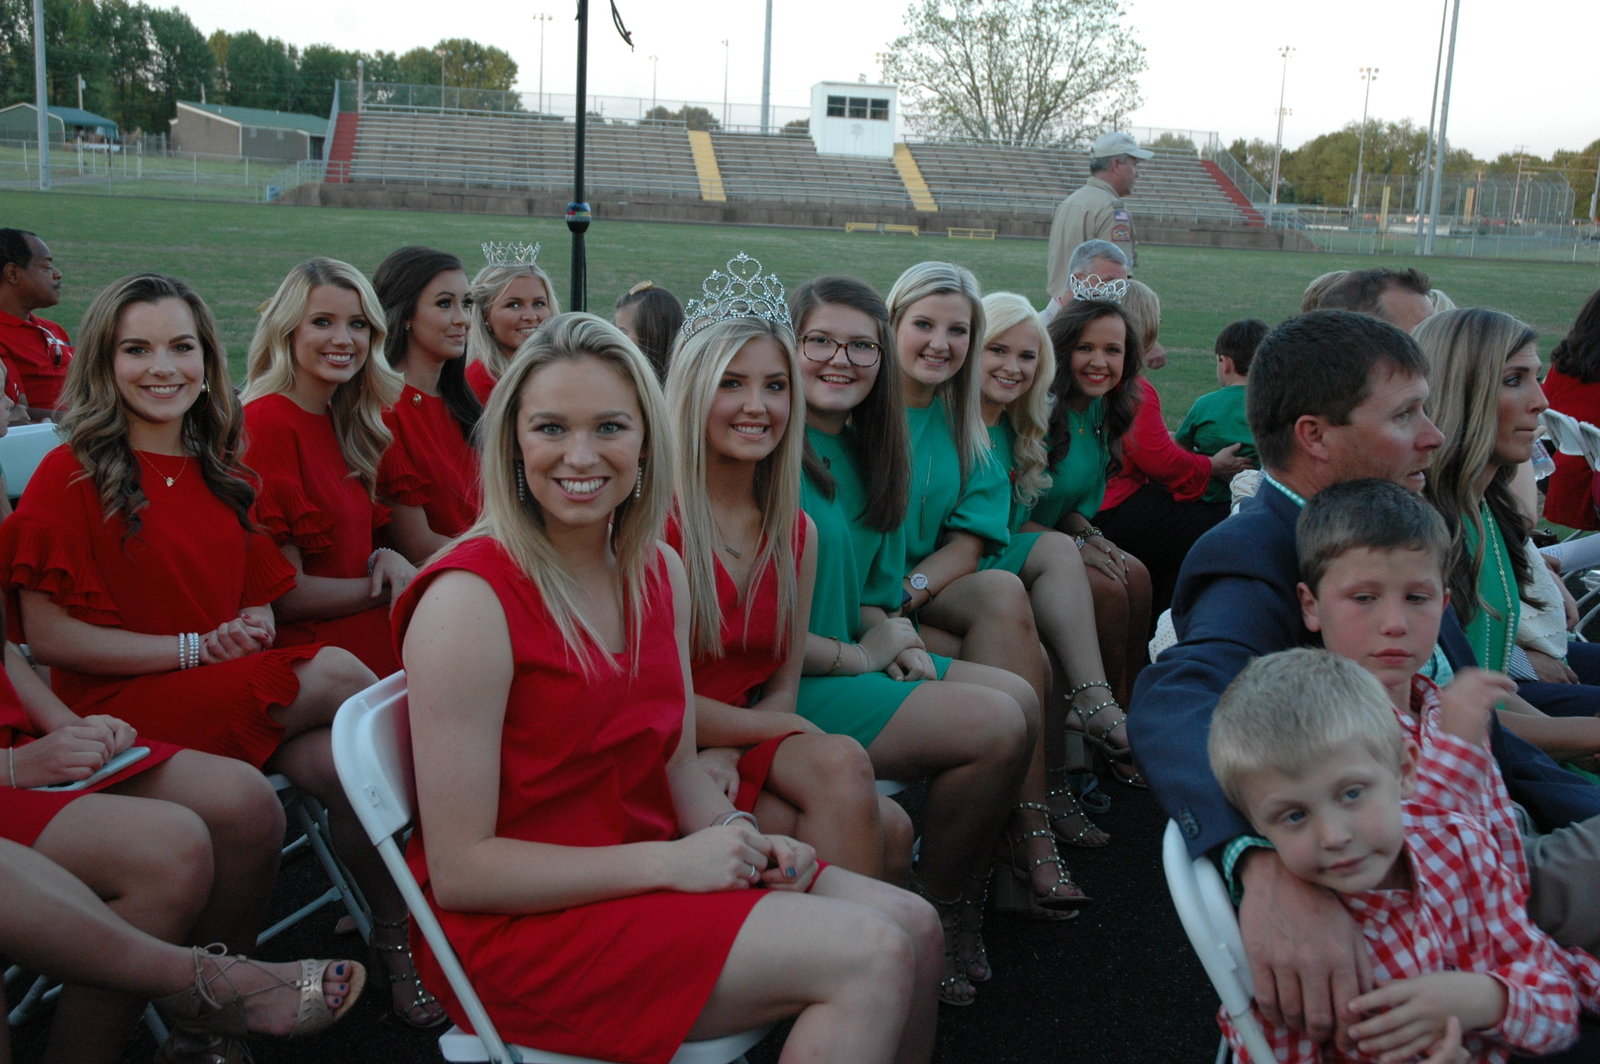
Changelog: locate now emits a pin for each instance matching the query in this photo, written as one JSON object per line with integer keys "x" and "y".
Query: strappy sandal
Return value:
{"x": 1097, "y": 738}
{"x": 974, "y": 955}
{"x": 1068, "y": 818}
{"x": 209, "y": 1016}
{"x": 954, "y": 987}
{"x": 432, "y": 1014}
{"x": 1015, "y": 891}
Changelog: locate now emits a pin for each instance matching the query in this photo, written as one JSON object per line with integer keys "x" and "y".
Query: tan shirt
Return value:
{"x": 1093, "y": 212}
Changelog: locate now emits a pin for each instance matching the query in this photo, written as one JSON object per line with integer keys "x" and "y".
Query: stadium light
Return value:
{"x": 1277, "y": 155}
{"x": 541, "y": 18}
{"x": 1444, "y": 124}
{"x": 42, "y": 95}
{"x": 1369, "y": 75}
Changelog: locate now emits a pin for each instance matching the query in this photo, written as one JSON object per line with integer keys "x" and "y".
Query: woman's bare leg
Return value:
{"x": 828, "y": 780}
{"x": 860, "y": 978}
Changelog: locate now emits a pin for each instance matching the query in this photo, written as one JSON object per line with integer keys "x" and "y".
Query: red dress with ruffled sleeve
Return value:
{"x": 310, "y": 499}
{"x": 430, "y": 463}
{"x": 190, "y": 567}
{"x": 480, "y": 380}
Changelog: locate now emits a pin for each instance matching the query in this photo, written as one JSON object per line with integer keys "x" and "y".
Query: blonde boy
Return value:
{"x": 1308, "y": 746}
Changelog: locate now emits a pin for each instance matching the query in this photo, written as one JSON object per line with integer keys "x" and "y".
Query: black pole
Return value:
{"x": 578, "y": 210}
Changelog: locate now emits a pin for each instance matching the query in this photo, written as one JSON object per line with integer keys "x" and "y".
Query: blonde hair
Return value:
{"x": 1312, "y": 297}
{"x": 487, "y": 288}
{"x": 962, "y": 397}
{"x": 695, "y": 371}
{"x": 1143, "y": 308}
{"x": 1289, "y": 710}
{"x": 95, "y": 421}
{"x": 356, "y": 409}
{"x": 1029, "y": 414}
{"x": 517, "y": 524}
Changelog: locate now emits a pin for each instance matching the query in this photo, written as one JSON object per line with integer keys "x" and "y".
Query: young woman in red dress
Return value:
{"x": 750, "y": 554}
{"x": 563, "y": 811}
{"x": 140, "y": 582}
{"x": 429, "y": 473}
{"x": 509, "y": 302}
{"x": 315, "y": 435}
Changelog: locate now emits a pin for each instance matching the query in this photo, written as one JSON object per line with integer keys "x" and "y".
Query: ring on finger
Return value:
{"x": 754, "y": 872}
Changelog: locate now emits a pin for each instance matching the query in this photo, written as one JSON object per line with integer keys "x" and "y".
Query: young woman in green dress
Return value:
{"x": 1095, "y": 395}
{"x": 867, "y": 672}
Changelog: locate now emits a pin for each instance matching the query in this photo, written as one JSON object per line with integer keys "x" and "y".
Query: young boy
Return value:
{"x": 1217, "y": 419}
{"x": 1307, "y": 745}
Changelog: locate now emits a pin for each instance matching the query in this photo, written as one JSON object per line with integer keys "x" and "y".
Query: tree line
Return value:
{"x": 136, "y": 61}
{"x": 1320, "y": 170}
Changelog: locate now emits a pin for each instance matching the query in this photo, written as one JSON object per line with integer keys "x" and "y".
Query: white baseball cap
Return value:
{"x": 1111, "y": 144}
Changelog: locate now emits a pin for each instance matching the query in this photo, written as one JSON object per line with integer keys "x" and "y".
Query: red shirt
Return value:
{"x": 36, "y": 354}
{"x": 1149, "y": 453}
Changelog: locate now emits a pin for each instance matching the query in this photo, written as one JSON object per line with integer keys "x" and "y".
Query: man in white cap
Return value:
{"x": 1096, "y": 211}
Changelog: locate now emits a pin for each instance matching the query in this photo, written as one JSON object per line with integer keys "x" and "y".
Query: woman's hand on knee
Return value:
{"x": 231, "y": 639}
{"x": 885, "y": 641}
{"x": 72, "y": 752}
{"x": 1100, "y": 553}
{"x": 912, "y": 664}
{"x": 727, "y": 857}
{"x": 791, "y": 864}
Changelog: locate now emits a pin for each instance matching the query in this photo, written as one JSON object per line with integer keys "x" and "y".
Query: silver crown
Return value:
{"x": 741, "y": 292}
{"x": 1092, "y": 287}
{"x": 511, "y": 253}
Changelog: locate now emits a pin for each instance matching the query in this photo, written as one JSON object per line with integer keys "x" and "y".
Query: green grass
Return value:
{"x": 235, "y": 255}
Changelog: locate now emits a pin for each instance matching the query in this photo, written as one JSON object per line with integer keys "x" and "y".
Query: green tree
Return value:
{"x": 261, "y": 72}
{"x": 182, "y": 65}
{"x": 1016, "y": 71}
{"x": 1255, "y": 156}
{"x": 470, "y": 65}
{"x": 1174, "y": 142}
{"x": 320, "y": 66}
{"x": 800, "y": 127}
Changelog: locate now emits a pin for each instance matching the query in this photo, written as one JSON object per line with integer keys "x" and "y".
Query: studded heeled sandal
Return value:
{"x": 423, "y": 1011}
{"x": 1068, "y": 818}
{"x": 1016, "y": 891}
{"x": 954, "y": 986}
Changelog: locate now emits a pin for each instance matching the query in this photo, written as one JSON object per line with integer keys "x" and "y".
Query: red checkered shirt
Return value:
{"x": 1463, "y": 912}
{"x": 1463, "y": 777}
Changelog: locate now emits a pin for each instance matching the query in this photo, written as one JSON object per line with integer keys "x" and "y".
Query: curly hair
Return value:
{"x": 96, "y": 420}
{"x": 1028, "y": 414}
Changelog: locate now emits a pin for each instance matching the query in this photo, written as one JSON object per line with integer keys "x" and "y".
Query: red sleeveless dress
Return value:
{"x": 583, "y": 763}
{"x": 191, "y": 567}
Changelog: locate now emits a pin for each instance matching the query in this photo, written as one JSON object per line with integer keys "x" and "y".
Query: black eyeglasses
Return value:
{"x": 863, "y": 354}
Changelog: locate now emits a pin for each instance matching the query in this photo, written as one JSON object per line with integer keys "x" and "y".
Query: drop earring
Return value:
{"x": 638, "y": 483}
{"x": 522, "y": 483}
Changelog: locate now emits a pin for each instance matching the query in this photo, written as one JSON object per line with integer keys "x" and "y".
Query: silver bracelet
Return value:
{"x": 372, "y": 559}
{"x": 866, "y": 662}
{"x": 11, "y": 766}
{"x": 194, "y": 649}
{"x": 736, "y": 814}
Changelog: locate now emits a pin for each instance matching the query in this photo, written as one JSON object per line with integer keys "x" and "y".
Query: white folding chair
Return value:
{"x": 21, "y": 450}
{"x": 308, "y": 815}
{"x": 1201, "y": 899}
{"x": 372, "y": 753}
{"x": 1563, "y": 430}
{"x": 1589, "y": 437}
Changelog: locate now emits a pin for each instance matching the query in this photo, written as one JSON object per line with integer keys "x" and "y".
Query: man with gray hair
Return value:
{"x": 1096, "y": 211}
{"x": 1095, "y": 270}
{"x": 1399, "y": 297}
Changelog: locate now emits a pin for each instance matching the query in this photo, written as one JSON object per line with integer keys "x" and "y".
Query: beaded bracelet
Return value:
{"x": 188, "y": 650}
{"x": 736, "y": 814}
{"x": 372, "y": 559}
{"x": 1082, "y": 536}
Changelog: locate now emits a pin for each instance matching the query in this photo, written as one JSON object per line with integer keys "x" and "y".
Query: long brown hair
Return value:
{"x": 96, "y": 421}
{"x": 1121, "y": 403}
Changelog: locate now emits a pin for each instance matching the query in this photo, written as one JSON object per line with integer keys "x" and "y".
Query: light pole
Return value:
{"x": 1444, "y": 131}
{"x": 655, "y": 60}
{"x": 440, "y": 53}
{"x": 541, "y": 18}
{"x": 1369, "y": 75}
{"x": 1277, "y": 154}
{"x": 726, "y": 52}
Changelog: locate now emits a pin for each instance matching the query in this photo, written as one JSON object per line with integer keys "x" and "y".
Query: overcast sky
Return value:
{"x": 1524, "y": 76}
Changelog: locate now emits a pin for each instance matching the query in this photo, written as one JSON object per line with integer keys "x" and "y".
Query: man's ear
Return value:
{"x": 1310, "y": 436}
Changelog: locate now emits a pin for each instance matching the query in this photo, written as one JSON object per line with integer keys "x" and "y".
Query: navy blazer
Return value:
{"x": 1235, "y": 600}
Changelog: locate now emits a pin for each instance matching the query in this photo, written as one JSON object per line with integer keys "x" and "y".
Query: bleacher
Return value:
{"x": 789, "y": 170}
{"x": 995, "y": 178}
{"x": 519, "y": 152}
{"x": 523, "y": 152}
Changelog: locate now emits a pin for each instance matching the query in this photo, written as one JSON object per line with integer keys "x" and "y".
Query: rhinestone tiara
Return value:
{"x": 740, "y": 292}
{"x": 510, "y": 253}
{"x": 1092, "y": 288}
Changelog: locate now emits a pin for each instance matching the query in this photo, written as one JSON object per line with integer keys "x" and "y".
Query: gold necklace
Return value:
{"x": 157, "y": 470}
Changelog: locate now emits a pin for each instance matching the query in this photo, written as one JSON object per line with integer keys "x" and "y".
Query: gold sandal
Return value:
{"x": 215, "y": 1006}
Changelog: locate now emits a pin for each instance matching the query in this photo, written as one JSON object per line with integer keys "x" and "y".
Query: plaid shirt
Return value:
{"x": 1462, "y": 777}
{"x": 1463, "y": 912}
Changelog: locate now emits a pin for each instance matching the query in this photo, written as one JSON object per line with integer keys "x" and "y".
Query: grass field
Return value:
{"x": 235, "y": 255}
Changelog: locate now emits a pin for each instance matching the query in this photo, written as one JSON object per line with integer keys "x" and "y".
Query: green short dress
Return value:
{"x": 856, "y": 566}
